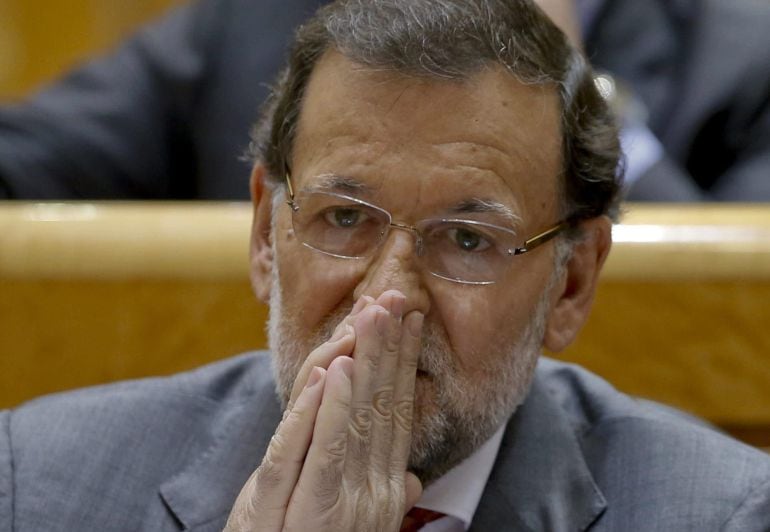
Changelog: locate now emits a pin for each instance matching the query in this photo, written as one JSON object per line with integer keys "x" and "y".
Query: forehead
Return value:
{"x": 488, "y": 136}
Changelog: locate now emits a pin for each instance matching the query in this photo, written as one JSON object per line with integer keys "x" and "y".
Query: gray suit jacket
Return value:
{"x": 172, "y": 453}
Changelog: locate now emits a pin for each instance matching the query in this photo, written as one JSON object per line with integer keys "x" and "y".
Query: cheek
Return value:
{"x": 313, "y": 285}
{"x": 478, "y": 320}
{"x": 472, "y": 326}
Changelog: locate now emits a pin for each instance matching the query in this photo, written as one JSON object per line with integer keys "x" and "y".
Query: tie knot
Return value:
{"x": 416, "y": 518}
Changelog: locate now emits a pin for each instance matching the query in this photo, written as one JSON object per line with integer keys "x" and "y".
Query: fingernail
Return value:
{"x": 415, "y": 324}
{"x": 315, "y": 376}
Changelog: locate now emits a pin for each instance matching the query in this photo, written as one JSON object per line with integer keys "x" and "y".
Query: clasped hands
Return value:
{"x": 338, "y": 460}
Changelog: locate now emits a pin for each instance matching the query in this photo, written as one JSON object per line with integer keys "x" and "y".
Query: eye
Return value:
{"x": 344, "y": 217}
{"x": 468, "y": 240}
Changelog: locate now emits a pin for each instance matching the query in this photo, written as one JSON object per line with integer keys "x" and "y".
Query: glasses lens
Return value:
{"x": 466, "y": 251}
{"x": 338, "y": 225}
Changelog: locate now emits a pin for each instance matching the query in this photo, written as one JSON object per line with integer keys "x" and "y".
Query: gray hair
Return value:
{"x": 453, "y": 40}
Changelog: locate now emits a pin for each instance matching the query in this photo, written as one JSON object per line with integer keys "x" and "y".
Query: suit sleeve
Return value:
{"x": 754, "y": 512}
{"x": 6, "y": 472}
{"x": 117, "y": 126}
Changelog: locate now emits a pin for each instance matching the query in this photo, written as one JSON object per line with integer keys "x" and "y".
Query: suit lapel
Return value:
{"x": 540, "y": 480}
{"x": 202, "y": 494}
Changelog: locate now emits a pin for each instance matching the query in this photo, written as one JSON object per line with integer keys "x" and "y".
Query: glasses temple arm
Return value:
{"x": 290, "y": 188}
{"x": 542, "y": 238}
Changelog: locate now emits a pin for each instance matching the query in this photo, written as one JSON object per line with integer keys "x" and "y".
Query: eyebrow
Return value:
{"x": 478, "y": 205}
{"x": 337, "y": 183}
{"x": 349, "y": 185}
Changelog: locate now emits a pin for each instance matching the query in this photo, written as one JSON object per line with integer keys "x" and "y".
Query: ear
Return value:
{"x": 261, "y": 250}
{"x": 574, "y": 295}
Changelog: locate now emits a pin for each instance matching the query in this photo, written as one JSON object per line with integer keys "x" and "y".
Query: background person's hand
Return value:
{"x": 338, "y": 459}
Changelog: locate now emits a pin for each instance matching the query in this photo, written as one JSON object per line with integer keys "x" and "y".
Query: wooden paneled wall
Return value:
{"x": 92, "y": 293}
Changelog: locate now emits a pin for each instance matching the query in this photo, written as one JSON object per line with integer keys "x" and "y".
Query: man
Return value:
{"x": 167, "y": 115}
{"x": 432, "y": 195}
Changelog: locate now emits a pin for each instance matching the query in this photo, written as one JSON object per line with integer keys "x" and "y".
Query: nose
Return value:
{"x": 395, "y": 267}
{"x": 415, "y": 233}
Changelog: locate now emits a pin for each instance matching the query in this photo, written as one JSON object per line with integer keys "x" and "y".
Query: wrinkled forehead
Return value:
{"x": 488, "y": 133}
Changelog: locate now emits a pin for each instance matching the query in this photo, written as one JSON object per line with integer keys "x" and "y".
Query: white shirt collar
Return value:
{"x": 458, "y": 492}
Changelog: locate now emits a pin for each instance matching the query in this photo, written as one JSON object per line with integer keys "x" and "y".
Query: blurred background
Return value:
{"x": 41, "y": 40}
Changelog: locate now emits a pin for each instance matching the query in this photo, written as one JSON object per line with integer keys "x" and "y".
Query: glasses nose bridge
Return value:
{"x": 410, "y": 229}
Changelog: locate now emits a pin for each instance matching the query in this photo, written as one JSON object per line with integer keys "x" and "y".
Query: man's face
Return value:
{"x": 427, "y": 149}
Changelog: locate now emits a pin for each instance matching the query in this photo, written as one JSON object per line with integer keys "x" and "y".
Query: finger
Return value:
{"x": 413, "y": 490}
{"x": 366, "y": 357}
{"x": 321, "y": 357}
{"x": 393, "y": 301}
{"x": 384, "y": 384}
{"x": 265, "y": 497}
{"x": 319, "y": 483}
{"x": 342, "y": 339}
{"x": 403, "y": 395}
{"x": 346, "y": 323}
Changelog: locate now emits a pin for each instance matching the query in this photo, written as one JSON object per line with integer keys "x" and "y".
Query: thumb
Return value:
{"x": 413, "y": 490}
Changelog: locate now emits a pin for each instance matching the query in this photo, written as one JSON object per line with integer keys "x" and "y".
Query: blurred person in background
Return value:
{"x": 167, "y": 115}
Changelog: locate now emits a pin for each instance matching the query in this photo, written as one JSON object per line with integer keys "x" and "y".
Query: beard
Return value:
{"x": 454, "y": 412}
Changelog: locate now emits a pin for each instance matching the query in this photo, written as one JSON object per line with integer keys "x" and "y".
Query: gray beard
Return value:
{"x": 460, "y": 414}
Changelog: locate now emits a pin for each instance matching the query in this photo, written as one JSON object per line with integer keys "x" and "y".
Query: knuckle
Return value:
{"x": 372, "y": 362}
{"x": 288, "y": 410}
{"x": 334, "y": 451}
{"x": 382, "y": 401}
{"x": 392, "y": 336}
{"x": 403, "y": 414}
{"x": 358, "y": 447}
{"x": 410, "y": 361}
{"x": 391, "y": 350}
{"x": 361, "y": 422}
{"x": 278, "y": 446}
{"x": 267, "y": 477}
{"x": 296, "y": 414}
{"x": 279, "y": 443}
{"x": 278, "y": 453}
{"x": 392, "y": 344}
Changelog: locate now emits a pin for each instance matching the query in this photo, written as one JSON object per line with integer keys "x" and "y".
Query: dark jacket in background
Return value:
{"x": 168, "y": 114}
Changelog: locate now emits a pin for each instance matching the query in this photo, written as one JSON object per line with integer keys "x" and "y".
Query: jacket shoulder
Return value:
{"x": 659, "y": 468}
{"x": 69, "y": 454}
